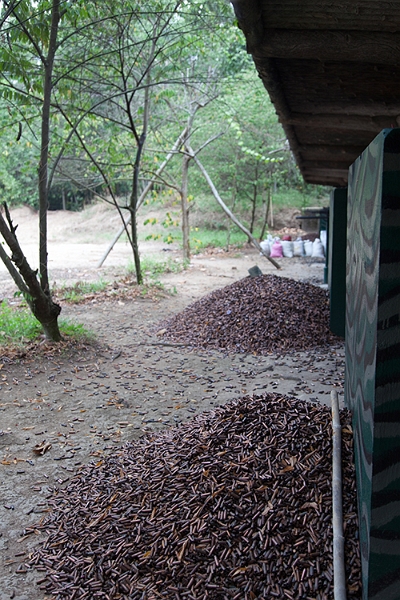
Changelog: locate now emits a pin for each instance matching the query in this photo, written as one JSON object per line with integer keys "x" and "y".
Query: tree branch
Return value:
{"x": 227, "y": 211}
{"x": 31, "y": 283}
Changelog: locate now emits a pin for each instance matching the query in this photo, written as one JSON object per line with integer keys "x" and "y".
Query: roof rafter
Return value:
{"x": 353, "y": 46}
{"x": 332, "y": 70}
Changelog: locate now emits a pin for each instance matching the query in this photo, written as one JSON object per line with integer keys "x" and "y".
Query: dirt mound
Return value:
{"x": 256, "y": 314}
{"x": 93, "y": 224}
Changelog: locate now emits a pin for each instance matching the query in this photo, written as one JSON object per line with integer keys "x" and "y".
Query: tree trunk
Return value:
{"x": 48, "y": 63}
{"x": 51, "y": 329}
{"x": 254, "y": 200}
{"x": 42, "y": 306}
{"x": 265, "y": 221}
{"x": 143, "y": 195}
{"x": 133, "y": 211}
{"x": 37, "y": 291}
{"x": 140, "y": 141}
{"x": 270, "y": 209}
{"x": 185, "y": 207}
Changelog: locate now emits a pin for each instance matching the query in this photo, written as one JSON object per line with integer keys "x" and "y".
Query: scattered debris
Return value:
{"x": 42, "y": 448}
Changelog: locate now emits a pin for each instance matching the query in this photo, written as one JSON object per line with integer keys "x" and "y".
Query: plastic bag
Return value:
{"x": 298, "y": 247}
{"x": 323, "y": 238}
{"x": 308, "y": 247}
{"x": 317, "y": 249}
{"x": 276, "y": 249}
{"x": 287, "y": 248}
{"x": 266, "y": 247}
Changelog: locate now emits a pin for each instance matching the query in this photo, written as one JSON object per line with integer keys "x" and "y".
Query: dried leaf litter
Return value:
{"x": 235, "y": 504}
{"x": 255, "y": 315}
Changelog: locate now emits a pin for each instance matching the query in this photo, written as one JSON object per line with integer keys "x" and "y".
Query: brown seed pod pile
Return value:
{"x": 235, "y": 504}
{"x": 256, "y": 314}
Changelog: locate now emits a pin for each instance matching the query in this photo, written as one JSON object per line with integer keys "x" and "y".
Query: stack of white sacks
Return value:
{"x": 278, "y": 248}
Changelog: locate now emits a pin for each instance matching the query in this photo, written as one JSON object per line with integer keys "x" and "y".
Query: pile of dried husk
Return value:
{"x": 255, "y": 315}
{"x": 235, "y": 504}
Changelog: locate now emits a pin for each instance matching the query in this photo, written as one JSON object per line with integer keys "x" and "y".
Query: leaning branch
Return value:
{"x": 143, "y": 195}
{"x": 19, "y": 282}
{"x": 26, "y": 276}
{"x": 226, "y": 209}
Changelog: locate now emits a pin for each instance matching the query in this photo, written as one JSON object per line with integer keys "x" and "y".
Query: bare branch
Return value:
{"x": 227, "y": 211}
{"x": 146, "y": 190}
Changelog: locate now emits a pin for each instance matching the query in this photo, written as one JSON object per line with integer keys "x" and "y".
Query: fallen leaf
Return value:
{"x": 286, "y": 469}
{"x": 239, "y": 570}
{"x": 268, "y": 508}
{"x": 42, "y": 448}
{"x": 309, "y": 505}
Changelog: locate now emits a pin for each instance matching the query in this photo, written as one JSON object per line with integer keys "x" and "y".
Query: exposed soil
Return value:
{"x": 63, "y": 406}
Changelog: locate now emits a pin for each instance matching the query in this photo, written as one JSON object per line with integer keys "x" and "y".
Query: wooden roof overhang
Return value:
{"x": 332, "y": 70}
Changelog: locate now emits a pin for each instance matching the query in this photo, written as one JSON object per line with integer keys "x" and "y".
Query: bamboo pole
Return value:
{"x": 339, "y": 576}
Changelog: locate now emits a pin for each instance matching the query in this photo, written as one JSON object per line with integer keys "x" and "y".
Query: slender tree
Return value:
{"x": 25, "y": 27}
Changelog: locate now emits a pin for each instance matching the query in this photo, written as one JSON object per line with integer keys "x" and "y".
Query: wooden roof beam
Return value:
{"x": 327, "y": 165}
{"x": 321, "y": 172}
{"x": 344, "y": 122}
{"x": 342, "y": 153}
{"x": 333, "y": 181}
{"x": 358, "y": 107}
{"x": 354, "y": 46}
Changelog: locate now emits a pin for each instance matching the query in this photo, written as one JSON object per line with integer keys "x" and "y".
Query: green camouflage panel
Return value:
{"x": 372, "y": 388}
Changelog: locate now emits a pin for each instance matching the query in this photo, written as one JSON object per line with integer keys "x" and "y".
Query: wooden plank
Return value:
{"x": 345, "y": 122}
{"x": 325, "y": 152}
{"x": 326, "y": 180}
{"x": 343, "y": 15}
{"x": 355, "y": 46}
{"x": 331, "y": 165}
{"x": 315, "y": 171}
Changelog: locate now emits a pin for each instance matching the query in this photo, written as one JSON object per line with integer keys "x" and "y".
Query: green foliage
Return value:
{"x": 19, "y": 326}
{"x": 307, "y": 195}
{"x": 107, "y": 55}
{"x": 153, "y": 268}
{"x": 75, "y": 331}
{"x": 76, "y": 293}
{"x": 169, "y": 221}
{"x": 216, "y": 238}
{"x": 18, "y": 163}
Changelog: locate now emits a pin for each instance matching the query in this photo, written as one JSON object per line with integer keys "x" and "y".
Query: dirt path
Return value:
{"x": 76, "y": 406}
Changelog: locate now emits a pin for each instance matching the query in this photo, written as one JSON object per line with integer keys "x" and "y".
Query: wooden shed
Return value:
{"x": 332, "y": 70}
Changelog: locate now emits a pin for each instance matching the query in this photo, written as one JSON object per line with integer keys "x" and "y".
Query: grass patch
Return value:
{"x": 153, "y": 268}
{"x": 18, "y": 326}
{"x": 216, "y": 238}
{"x": 76, "y": 293}
{"x": 293, "y": 198}
{"x": 76, "y": 331}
